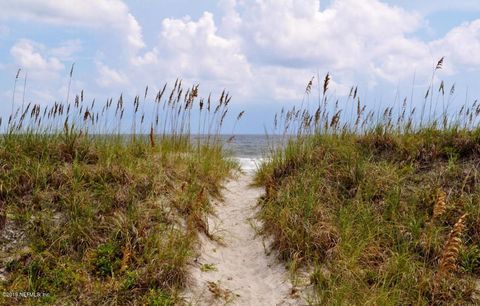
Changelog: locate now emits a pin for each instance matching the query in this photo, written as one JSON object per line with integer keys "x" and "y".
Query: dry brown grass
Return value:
{"x": 363, "y": 208}
{"x": 451, "y": 250}
{"x": 219, "y": 293}
{"x": 127, "y": 253}
{"x": 109, "y": 218}
{"x": 440, "y": 204}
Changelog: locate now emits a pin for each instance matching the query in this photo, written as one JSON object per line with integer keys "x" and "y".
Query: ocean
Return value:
{"x": 249, "y": 150}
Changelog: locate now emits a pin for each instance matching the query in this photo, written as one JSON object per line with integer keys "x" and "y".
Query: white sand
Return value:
{"x": 240, "y": 271}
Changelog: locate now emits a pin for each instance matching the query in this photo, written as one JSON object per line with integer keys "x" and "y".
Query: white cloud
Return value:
{"x": 260, "y": 49}
{"x": 347, "y": 37}
{"x": 102, "y": 14}
{"x": 231, "y": 19}
{"x": 272, "y": 47}
{"x": 109, "y": 76}
{"x": 354, "y": 40}
{"x": 461, "y": 46}
{"x": 30, "y": 56}
{"x": 67, "y": 50}
{"x": 195, "y": 51}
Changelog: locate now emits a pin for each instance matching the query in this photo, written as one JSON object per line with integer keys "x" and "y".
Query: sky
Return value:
{"x": 262, "y": 52}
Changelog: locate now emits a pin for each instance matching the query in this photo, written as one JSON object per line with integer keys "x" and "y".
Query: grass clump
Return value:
{"x": 97, "y": 218}
{"x": 367, "y": 222}
{"x": 208, "y": 267}
{"x": 382, "y": 212}
{"x": 107, "y": 228}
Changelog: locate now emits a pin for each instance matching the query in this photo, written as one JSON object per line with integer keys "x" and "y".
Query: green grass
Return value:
{"x": 113, "y": 219}
{"x": 351, "y": 199}
{"x": 208, "y": 267}
{"x": 104, "y": 221}
{"x": 357, "y": 209}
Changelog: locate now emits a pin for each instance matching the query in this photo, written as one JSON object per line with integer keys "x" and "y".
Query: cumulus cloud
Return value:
{"x": 31, "y": 57}
{"x": 195, "y": 50}
{"x": 347, "y": 37}
{"x": 261, "y": 49}
{"x": 275, "y": 44}
{"x": 67, "y": 50}
{"x": 271, "y": 47}
{"x": 110, "y": 77}
{"x": 86, "y": 13}
{"x": 461, "y": 46}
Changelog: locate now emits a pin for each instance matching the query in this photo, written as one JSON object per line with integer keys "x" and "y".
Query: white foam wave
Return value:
{"x": 249, "y": 164}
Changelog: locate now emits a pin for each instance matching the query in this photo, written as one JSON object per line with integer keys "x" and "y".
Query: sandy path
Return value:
{"x": 239, "y": 272}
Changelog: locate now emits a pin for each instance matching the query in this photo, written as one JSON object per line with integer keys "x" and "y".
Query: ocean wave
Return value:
{"x": 249, "y": 164}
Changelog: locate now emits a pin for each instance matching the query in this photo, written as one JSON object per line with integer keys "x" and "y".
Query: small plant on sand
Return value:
{"x": 208, "y": 267}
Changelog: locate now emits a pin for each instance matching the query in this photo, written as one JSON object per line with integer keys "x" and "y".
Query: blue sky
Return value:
{"x": 262, "y": 52}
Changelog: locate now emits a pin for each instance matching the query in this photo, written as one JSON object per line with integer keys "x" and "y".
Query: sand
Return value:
{"x": 238, "y": 270}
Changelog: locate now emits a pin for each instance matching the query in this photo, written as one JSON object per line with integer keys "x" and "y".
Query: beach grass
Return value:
{"x": 91, "y": 215}
{"x": 381, "y": 210}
